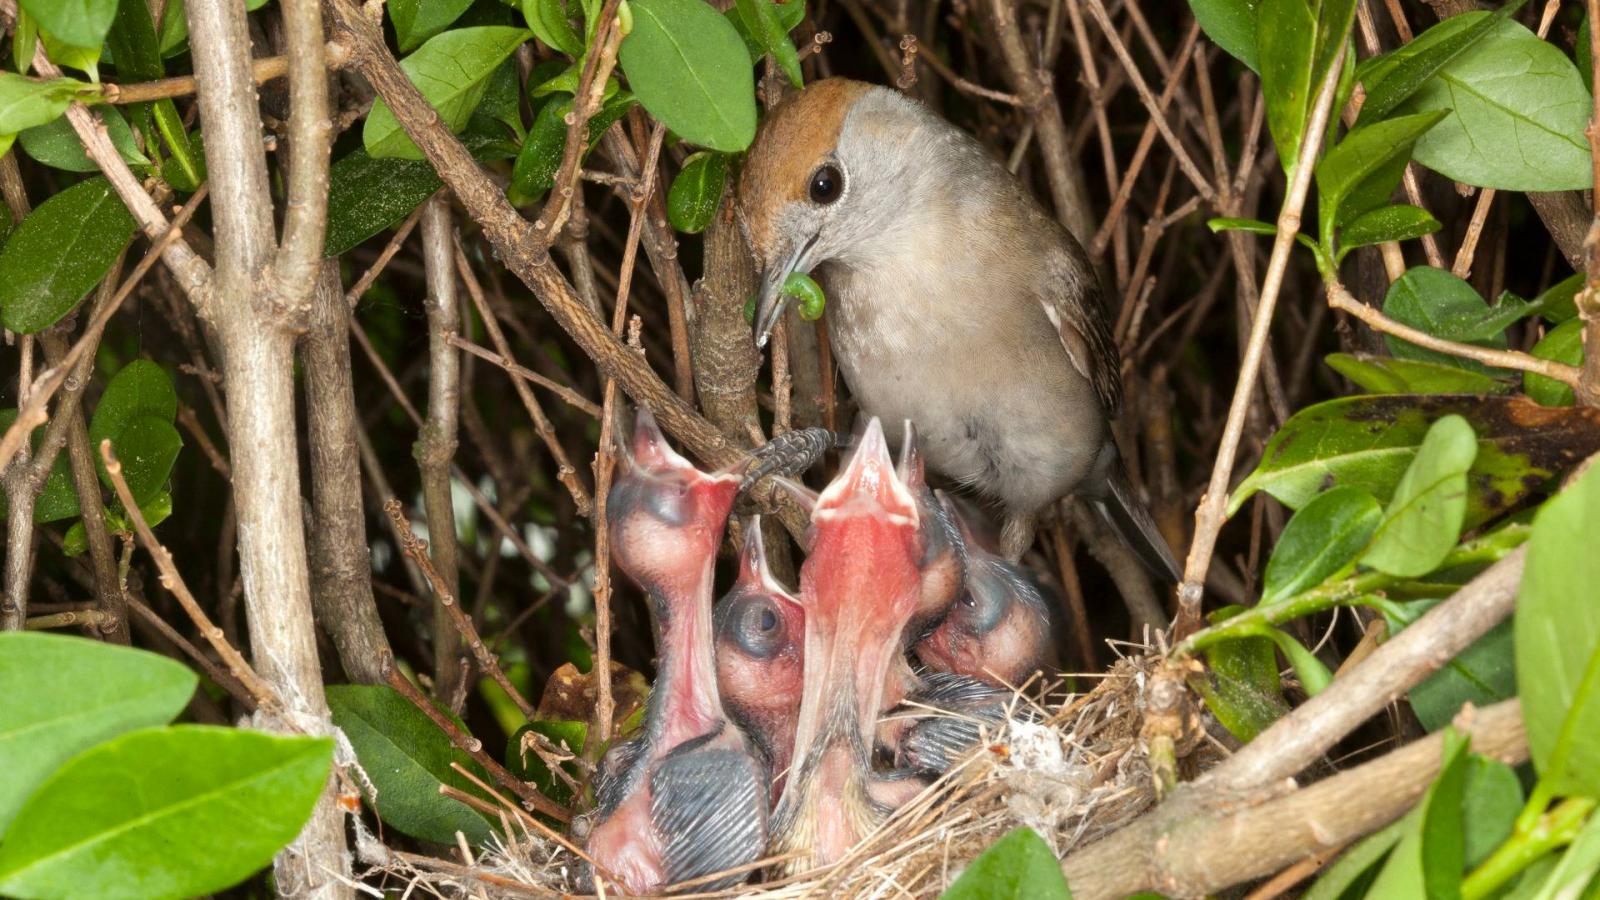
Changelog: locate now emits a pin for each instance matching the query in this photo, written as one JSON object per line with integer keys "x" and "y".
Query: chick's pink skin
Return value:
{"x": 666, "y": 519}
{"x": 860, "y": 586}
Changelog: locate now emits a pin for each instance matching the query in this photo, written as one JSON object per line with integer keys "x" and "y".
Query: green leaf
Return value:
{"x": 1439, "y": 303}
{"x": 697, "y": 190}
{"x": 1423, "y": 520}
{"x": 1559, "y": 302}
{"x": 1369, "y": 442}
{"x": 1482, "y": 674}
{"x": 1427, "y": 861}
{"x": 1019, "y": 866}
{"x": 1231, "y": 25}
{"x": 367, "y": 196}
{"x": 499, "y": 113}
{"x": 1389, "y": 375}
{"x": 1490, "y": 801}
{"x": 540, "y": 158}
{"x": 24, "y": 40}
{"x": 762, "y": 26}
{"x": 451, "y": 70}
{"x": 529, "y": 767}
{"x": 66, "y": 694}
{"x": 1314, "y": 676}
{"x": 59, "y": 252}
{"x": 1399, "y": 222}
{"x": 133, "y": 43}
{"x": 81, "y": 23}
{"x": 1517, "y": 115}
{"x": 56, "y": 145}
{"x": 58, "y": 500}
{"x": 68, "y": 56}
{"x": 1325, "y": 536}
{"x": 1231, "y": 223}
{"x": 1360, "y": 173}
{"x": 139, "y": 389}
{"x": 1557, "y": 636}
{"x": 147, "y": 447}
{"x": 407, "y": 758}
{"x": 417, "y": 20}
{"x": 162, "y": 812}
{"x": 1241, "y": 685}
{"x": 27, "y": 102}
{"x": 1393, "y": 77}
{"x": 689, "y": 69}
{"x": 552, "y": 25}
{"x": 1285, "y": 34}
{"x": 1353, "y": 872}
{"x": 789, "y": 14}
{"x": 1564, "y": 343}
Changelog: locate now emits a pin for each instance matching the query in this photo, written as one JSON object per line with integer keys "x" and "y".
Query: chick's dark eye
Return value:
{"x": 769, "y": 621}
{"x": 827, "y": 183}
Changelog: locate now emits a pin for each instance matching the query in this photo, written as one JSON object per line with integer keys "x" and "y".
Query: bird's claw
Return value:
{"x": 791, "y": 453}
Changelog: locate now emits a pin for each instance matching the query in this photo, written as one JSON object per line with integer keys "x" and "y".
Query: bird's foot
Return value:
{"x": 791, "y": 453}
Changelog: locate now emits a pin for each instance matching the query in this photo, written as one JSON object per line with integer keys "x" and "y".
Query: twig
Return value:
{"x": 1588, "y": 300}
{"x": 1339, "y": 298}
{"x": 471, "y": 746}
{"x": 357, "y": 290}
{"x": 571, "y": 397}
{"x": 1209, "y": 517}
{"x": 265, "y": 697}
{"x": 263, "y": 70}
{"x": 221, "y": 676}
{"x": 292, "y": 279}
{"x": 416, "y": 549}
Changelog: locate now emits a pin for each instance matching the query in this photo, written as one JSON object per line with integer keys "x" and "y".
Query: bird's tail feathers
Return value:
{"x": 1122, "y": 508}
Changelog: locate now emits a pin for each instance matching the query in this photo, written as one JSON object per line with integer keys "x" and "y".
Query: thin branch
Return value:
{"x": 266, "y": 698}
{"x": 367, "y": 278}
{"x": 216, "y": 673}
{"x": 263, "y": 70}
{"x": 1210, "y": 515}
{"x": 305, "y": 217}
{"x": 1588, "y": 300}
{"x": 572, "y": 398}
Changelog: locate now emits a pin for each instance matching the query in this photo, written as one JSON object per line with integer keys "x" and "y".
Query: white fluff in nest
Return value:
{"x": 1046, "y": 783}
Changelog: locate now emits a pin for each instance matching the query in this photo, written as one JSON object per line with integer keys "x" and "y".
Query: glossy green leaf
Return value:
{"x": 1313, "y": 675}
{"x": 66, "y": 694}
{"x": 1517, "y": 114}
{"x": 689, "y": 69}
{"x": 407, "y": 758}
{"x": 58, "y": 500}
{"x": 1285, "y": 35}
{"x": 68, "y": 56}
{"x": 1399, "y": 222}
{"x": 155, "y": 511}
{"x": 528, "y": 766}
{"x": 789, "y": 14}
{"x": 29, "y": 102}
{"x": 1232, "y": 223}
{"x": 1427, "y": 861}
{"x": 1490, "y": 801}
{"x": 1231, "y": 25}
{"x": 367, "y": 196}
{"x": 540, "y": 159}
{"x": 59, "y": 252}
{"x": 1389, "y": 375}
{"x": 1482, "y": 674}
{"x": 1437, "y": 302}
{"x": 139, "y": 389}
{"x": 499, "y": 113}
{"x": 56, "y": 145}
{"x": 697, "y": 190}
{"x": 24, "y": 40}
{"x": 1325, "y": 536}
{"x": 1369, "y": 442}
{"x": 1334, "y": 18}
{"x": 134, "y": 44}
{"x": 417, "y": 20}
{"x": 1423, "y": 520}
{"x": 1353, "y": 872}
{"x": 761, "y": 25}
{"x": 81, "y": 23}
{"x": 551, "y": 24}
{"x": 1019, "y": 866}
{"x": 1393, "y": 77}
{"x": 1563, "y": 343}
{"x": 147, "y": 447}
{"x": 451, "y": 70}
{"x": 1241, "y": 685}
{"x": 159, "y": 813}
{"x": 1557, "y": 636}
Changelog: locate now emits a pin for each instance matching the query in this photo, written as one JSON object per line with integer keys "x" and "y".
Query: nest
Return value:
{"x": 1073, "y": 771}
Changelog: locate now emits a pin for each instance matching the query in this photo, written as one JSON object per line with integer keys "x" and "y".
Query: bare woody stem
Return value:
{"x": 263, "y": 70}
{"x": 1209, "y": 517}
{"x": 1588, "y": 300}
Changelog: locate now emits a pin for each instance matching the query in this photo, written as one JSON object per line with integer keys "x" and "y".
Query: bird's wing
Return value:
{"x": 709, "y": 804}
{"x": 1071, "y": 299}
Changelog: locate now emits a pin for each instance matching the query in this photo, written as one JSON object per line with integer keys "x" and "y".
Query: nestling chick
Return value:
{"x": 687, "y": 797}
{"x": 954, "y": 300}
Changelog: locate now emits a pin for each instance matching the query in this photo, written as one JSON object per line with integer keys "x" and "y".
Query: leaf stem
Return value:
{"x": 1525, "y": 847}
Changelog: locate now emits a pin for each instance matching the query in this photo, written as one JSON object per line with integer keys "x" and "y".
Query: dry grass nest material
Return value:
{"x": 1074, "y": 773}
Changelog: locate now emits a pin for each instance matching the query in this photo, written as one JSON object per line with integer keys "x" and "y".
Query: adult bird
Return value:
{"x": 687, "y": 797}
{"x": 953, "y": 300}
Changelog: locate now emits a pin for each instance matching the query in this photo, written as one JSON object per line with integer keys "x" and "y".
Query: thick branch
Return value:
{"x": 305, "y": 216}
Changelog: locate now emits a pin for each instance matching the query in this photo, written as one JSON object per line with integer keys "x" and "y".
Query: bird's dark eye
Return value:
{"x": 827, "y": 183}
{"x": 754, "y": 626}
{"x": 769, "y": 620}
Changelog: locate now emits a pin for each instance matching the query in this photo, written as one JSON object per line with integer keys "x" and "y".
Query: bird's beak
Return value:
{"x": 772, "y": 301}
